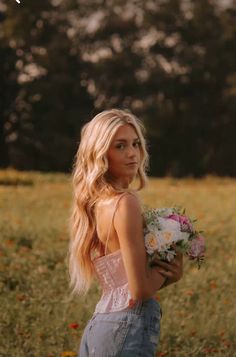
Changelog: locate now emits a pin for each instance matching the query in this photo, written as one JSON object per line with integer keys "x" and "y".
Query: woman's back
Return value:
{"x": 109, "y": 267}
{"x": 106, "y": 233}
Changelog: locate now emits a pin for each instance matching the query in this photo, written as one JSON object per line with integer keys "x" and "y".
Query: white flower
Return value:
{"x": 165, "y": 239}
{"x": 151, "y": 242}
{"x": 185, "y": 236}
{"x": 164, "y": 212}
{"x": 169, "y": 224}
{"x": 170, "y": 255}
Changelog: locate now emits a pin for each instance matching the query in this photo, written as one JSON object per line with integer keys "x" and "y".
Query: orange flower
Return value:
{"x": 68, "y": 354}
{"x": 21, "y": 297}
{"x": 9, "y": 242}
{"x": 73, "y": 325}
{"x": 213, "y": 285}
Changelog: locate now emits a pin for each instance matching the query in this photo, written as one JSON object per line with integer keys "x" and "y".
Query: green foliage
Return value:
{"x": 171, "y": 62}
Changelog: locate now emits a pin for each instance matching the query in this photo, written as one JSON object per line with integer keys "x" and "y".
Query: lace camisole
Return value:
{"x": 111, "y": 274}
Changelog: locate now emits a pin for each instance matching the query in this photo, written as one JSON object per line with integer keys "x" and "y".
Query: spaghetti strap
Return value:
{"x": 109, "y": 231}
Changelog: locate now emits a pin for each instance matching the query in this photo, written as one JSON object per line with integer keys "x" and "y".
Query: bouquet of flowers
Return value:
{"x": 169, "y": 230}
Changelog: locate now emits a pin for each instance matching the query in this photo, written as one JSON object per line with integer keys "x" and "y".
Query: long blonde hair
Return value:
{"x": 90, "y": 183}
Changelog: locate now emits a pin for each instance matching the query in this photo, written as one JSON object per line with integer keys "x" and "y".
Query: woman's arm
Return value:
{"x": 128, "y": 223}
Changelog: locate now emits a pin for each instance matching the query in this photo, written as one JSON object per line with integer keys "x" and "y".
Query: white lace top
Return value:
{"x": 112, "y": 277}
{"x": 111, "y": 274}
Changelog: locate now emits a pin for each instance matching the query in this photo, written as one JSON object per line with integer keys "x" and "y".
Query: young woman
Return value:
{"x": 107, "y": 239}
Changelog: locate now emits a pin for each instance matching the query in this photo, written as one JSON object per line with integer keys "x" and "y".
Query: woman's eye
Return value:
{"x": 120, "y": 146}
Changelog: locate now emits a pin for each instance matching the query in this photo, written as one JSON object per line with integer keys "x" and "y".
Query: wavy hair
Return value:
{"x": 90, "y": 182}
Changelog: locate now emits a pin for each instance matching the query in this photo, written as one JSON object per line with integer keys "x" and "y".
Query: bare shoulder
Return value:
{"x": 128, "y": 210}
{"x": 129, "y": 205}
{"x": 130, "y": 199}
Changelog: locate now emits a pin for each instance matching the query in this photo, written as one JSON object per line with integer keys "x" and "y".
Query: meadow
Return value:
{"x": 39, "y": 318}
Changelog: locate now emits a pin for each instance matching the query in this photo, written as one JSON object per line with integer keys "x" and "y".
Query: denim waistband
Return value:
{"x": 139, "y": 307}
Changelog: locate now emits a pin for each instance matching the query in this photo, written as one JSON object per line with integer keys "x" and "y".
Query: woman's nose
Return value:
{"x": 131, "y": 152}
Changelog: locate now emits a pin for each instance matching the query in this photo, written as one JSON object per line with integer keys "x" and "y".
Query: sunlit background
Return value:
{"x": 172, "y": 63}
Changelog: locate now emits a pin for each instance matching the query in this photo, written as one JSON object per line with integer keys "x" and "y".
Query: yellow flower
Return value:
{"x": 151, "y": 241}
{"x": 167, "y": 235}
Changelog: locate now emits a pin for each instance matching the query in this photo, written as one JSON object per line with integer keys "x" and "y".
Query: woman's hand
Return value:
{"x": 172, "y": 271}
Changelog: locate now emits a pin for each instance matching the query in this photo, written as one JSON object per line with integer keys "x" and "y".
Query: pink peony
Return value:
{"x": 184, "y": 222}
{"x": 197, "y": 247}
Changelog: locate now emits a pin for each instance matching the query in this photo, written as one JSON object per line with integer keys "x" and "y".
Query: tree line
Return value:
{"x": 171, "y": 62}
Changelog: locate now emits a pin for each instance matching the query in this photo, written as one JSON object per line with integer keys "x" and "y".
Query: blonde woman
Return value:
{"x": 107, "y": 239}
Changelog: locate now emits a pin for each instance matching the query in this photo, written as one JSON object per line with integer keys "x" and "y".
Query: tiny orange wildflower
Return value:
{"x": 73, "y": 325}
{"x": 161, "y": 354}
{"x": 213, "y": 285}
{"x": 68, "y": 354}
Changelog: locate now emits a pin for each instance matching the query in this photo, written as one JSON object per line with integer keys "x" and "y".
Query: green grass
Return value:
{"x": 35, "y": 307}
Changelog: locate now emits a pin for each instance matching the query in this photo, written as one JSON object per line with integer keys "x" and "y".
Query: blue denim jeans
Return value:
{"x": 131, "y": 332}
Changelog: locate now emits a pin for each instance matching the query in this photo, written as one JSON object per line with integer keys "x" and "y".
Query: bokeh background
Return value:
{"x": 172, "y": 63}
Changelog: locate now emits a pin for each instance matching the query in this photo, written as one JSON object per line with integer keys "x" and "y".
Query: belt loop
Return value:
{"x": 138, "y": 306}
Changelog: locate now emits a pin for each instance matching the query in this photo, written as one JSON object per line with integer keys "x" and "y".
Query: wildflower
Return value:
{"x": 68, "y": 354}
{"x": 73, "y": 325}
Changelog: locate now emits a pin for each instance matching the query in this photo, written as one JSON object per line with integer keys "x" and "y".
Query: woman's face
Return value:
{"x": 124, "y": 156}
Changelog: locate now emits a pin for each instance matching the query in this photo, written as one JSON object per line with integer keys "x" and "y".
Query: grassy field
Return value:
{"x": 38, "y": 317}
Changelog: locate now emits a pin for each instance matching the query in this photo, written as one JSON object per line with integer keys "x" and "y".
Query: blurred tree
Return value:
{"x": 7, "y": 80}
{"x": 52, "y": 100}
{"x": 171, "y": 62}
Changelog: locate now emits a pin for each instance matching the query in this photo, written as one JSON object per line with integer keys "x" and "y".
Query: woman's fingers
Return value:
{"x": 178, "y": 259}
{"x": 166, "y": 273}
{"x": 166, "y": 265}
{"x": 172, "y": 270}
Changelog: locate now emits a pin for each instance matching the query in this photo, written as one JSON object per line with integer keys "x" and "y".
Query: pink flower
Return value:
{"x": 184, "y": 222}
{"x": 197, "y": 247}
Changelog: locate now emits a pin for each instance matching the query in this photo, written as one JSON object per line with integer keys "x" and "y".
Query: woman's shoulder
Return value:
{"x": 129, "y": 211}
{"x": 125, "y": 195}
{"x": 128, "y": 200}
{"x": 129, "y": 207}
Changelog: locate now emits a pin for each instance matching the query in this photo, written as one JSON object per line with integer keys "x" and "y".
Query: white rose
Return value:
{"x": 151, "y": 243}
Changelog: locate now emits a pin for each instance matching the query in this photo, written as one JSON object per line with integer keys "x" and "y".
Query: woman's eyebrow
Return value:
{"x": 125, "y": 140}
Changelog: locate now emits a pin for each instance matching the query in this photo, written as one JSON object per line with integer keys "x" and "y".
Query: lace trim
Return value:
{"x": 115, "y": 300}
